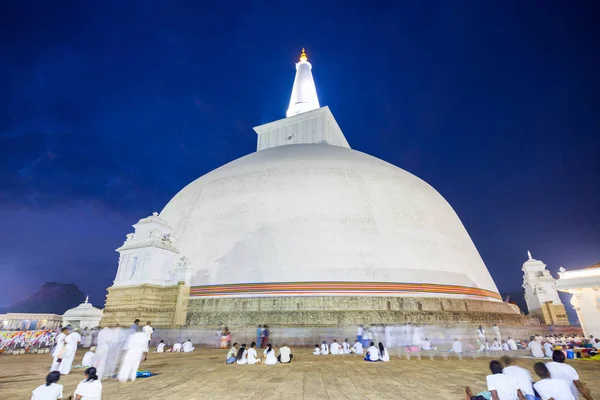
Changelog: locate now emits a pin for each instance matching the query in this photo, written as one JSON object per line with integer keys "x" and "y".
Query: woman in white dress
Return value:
{"x": 383, "y": 353}
{"x": 324, "y": 348}
{"x": 51, "y": 390}
{"x": 242, "y": 355}
{"x": 346, "y": 346}
{"x": 160, "y": 348}
{"x": 317, "y": 350}
{"x": 59, "y": 350}
{"x": 252, "y": 355}
{"x": 90, "y": 388}
{"x": 270, "y": 358}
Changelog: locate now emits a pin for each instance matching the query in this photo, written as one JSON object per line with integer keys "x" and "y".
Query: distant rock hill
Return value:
{"x": 51, "y": 298}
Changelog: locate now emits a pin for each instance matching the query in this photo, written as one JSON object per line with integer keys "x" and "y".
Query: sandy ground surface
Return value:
{"x": 203, "y": 375}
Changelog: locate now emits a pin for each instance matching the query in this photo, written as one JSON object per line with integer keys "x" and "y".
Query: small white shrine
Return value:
{"x": 83, "y": 316}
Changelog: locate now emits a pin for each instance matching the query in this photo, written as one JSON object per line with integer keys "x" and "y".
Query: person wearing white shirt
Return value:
{"x": 90, "y": 388}
{"x": 148, "y": 330}
{"x": 89, "y": 358}
{"x": 176, "y": 347}
{"x": 481, "y": 334}
{"x": 324, "y": 348}
{"x": 51, "y": 390}
{"x": 500, "y": 386}
{"x": 497, "y": 332}
{"x": 505, "y": 346}
{"x": 71, "y": 343}
{"x": 252, "y": 356}
{"x": 187, "y": 347}
{"x": 285, "y": 355}
{"x": 548, "y": 349}
{"x": 496, "y": 345}
{"x": 372, "y": 353}
{"x": 426, "y": 344}
{"x": 269, "y": 354}
{"x": 335, "y": 347}
{"x": 102, "y": 351}
{"x": 134, "y": 347}
{"x": 383, "y": 353}
{"x": 242, "y": 355}
{"x": 160, "y": 348}
{"x": 535, "y": 348}
{"x": 317, "y": 350}
{"x": 346, "y": 347}
{"x": 59, "y": 349}
{"x": 597, "y": 344}
{"x": 559, "y": 370}
{"x": 523, "y": 377}
{"x": 511, "y": 343}
{"x": 357, "y": 348}
{"x": 457, "y": 346}
{"x": 550, "y": 388}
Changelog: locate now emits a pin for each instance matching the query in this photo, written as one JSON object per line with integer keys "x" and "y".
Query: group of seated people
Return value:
{"x": 185, "y": 347}
{"x": 373, "y": 353}
{"x": 245, "y": 355}
{"x": 89, "y": 388}
{"x": 498, "y": 345}
{"x": 558, "y": 381}
{"x": 544, "y": 347}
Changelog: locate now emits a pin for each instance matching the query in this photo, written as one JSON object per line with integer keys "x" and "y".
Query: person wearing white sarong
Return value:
{"x": 357, "y": 348}
{"x": 160, "y": 348}
{"x": 187, "y": 346}
{"x": 346, "y": 347}
{"x": 242, "y": 355}
{"x": 317, "y": 350}
{"x": 324, "y": 348}
{"x": 134, "y": 350}
{"x": 335, "y": 347}
{"x": 252, "y": 356}
{"x": 511, "y": 344}
{"x": 383, "y": 353}
{"x": 89, "y": 358}
{"x": 457, "y": 346}
{"x": 59, "y": 350}
{"x": 176, "y": 347}
{"x": 269, "y": 353}
{"x": 496, "y": 345}
{"x": 71, "y": 343}
{"x": 102, "y": 348}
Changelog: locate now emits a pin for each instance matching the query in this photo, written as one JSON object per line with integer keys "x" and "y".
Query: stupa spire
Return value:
{"x": 304, "y": 93}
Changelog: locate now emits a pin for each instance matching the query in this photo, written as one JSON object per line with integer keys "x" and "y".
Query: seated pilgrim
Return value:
{"x": 89, "y": 358}
{"x": 242, "y": 355}
{"x": 231, "y": 354}
{"x": 357, "y": 348}
{"x": 252, "y": 356}
{"x": 346, "y": 347}
{"x": 335, "y": 347}
{"x": 496, "y": 345}
{"x": 457, "y": 346}
{"x": 324, "y": 348}
{"x": 317, "y": 350}
{"x": 426, "y": 344}
{"x": 187, "y": 346}
{"x": 505, "y": 346}
{"x": 285, "y": 355}
{"x": 372, "y": 353}
{"x": 160, "y": 348}
{"x": 269, "y": 353}
{"x": 383, "y": 353}
{"x": 177, "y": 347}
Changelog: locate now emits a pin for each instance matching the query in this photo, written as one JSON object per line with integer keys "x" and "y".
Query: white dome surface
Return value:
{"x": 309, "y": 213}
{"x": 83, "y": 311}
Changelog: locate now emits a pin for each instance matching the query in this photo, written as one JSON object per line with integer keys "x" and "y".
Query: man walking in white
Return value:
{"x": 135, "y": 347}
{"x": 497, "y": 332}
{"x": 71, "y": 343}
{"x": 147, "y": 330}
{"x": 59, "y": 350}
{"x": 102, "y": 351}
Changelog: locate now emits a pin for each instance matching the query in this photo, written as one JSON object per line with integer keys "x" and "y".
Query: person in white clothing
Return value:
{"x": 252, "y": 356}
{"x": 497, "y": 332}
{"x": 372, "y": 353}
{"x": 535, "y": 348}
{"x": 51, "y": 390}
{"x": 160, "y": 348}
{"x": 269, "y": 353}
{"x": 496, "y": 345}
{"x": 102, "y": 351}
{"x": 357, "y": 348}
{"x": 457, "y": 346}
{"x": 187, "y": 346}
{"x": 346, "y": 347}
{"x": 335, "y": 347}
{"x": 176, "y": 347}
{"x": 500, "y": 386}
{"x": 324, "y": 348}
{"x": 559, "y": 370}
{"x": 512, "y": 344}
{"x": 89, "y": 358}
{"x": 505, "y": 346}
{"x": 548, "y": 349}
{"x": 523, "y": 377}
{"x": 242, "y": 355}
{"x": 135, "y": 347}
{"x": 148, "y": 331}
{"x": 426, "y": 345}
{"x": 90, "y": 388}
{"x": 285, "y": 355}
{"x": 383, "y": 353}
{"x": 480, "y": 334}
{"x": 71, "y": 343}
{"x": 550, "y": 388}
{"x": 317, "y": 350}
{"x": 59, "y": 349}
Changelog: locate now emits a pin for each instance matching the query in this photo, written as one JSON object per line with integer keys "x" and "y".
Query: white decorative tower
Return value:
{"x": 304, "y": 93}
{"x": 540, "y": 293}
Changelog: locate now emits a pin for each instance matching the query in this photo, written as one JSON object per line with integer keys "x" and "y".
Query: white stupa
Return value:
{"x": 306, "y": 216}
{"x": 83, "y": 316}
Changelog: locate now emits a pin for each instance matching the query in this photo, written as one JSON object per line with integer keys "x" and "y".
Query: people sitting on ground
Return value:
{"x": 372, "y": 353}
{"x": 346, "y": 346}
{"x": 457, "y": 346}
{"x": 160, "y": 348}
{"x": 49, "y": 391}
{"x": 90, "y": 388}
{"x": 383, "y": 353}
{"x": 269, "y": 353}
{"x": 252, "y": 355}
{"x": 242, "y": 355}
{"x": 496, "y": 345}
{"x": 176, "y": 347}
{"x": 335, "y": 347}
{"x": 559, "y": 370}
{"x": 548, "y": 387}
{"x": 324, "y": 348}
{"x": 535, "y": 348}
{"x": 511, "y": 343}
{"x": 231, "y": 354}
{"x": 89, "y": 358}
{"x": 426, "y": 345}
{"x": 500, "y": 386}
{"x": 285, "y": 354}
{"x": 317, "y": 350}
{"x": 523, "y": 377}
{"x": 505, "y": 346}
{"x": 548, "y": 349}
{"x": 357, "y": 348}
{"x": 187, "y": 346}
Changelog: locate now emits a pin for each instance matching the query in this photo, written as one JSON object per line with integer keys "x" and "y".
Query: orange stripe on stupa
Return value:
{"x": 339, "y": 288}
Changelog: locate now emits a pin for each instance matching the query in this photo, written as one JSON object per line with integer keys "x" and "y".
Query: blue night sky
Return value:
{"x": 107, "y": 109}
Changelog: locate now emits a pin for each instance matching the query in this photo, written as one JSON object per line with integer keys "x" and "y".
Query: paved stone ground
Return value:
{"x": 203, "y": 375}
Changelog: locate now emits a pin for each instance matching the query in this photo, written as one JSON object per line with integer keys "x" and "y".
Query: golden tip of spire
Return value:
{"x": 303, "y": 56}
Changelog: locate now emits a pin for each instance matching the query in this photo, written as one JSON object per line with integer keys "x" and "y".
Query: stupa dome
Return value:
{"x": 84, "y": 315}
{"x": 307, "y": 219}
